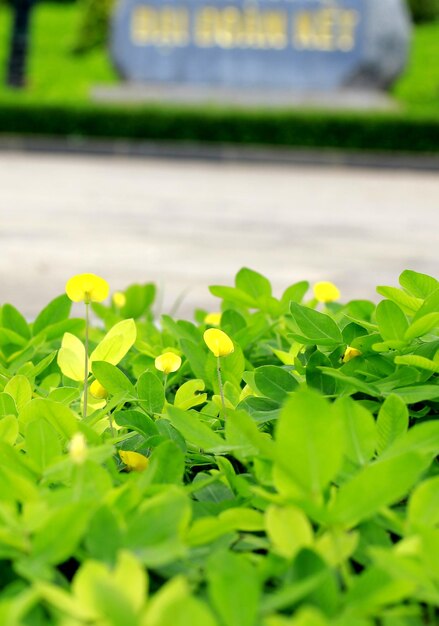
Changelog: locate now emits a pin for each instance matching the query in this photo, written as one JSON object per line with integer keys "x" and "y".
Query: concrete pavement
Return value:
{"x": 188, "y": 224}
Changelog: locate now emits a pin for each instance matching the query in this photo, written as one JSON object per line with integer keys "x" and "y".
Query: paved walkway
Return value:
{"x": 190, "y": 224}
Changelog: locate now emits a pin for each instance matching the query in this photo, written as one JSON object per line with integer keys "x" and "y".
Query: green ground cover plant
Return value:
{"x": 271, "y": 463}
{"x": 57, "y": 100}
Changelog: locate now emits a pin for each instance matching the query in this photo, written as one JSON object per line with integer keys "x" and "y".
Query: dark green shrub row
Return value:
{"x": 424, "y": 10}
{"x": 380, "y": 132}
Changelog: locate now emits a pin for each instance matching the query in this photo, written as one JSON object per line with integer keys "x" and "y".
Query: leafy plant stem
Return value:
{"x": 220, "y": 384}
{"x": 343, "y": 568}
{"x": 87, "y": 321}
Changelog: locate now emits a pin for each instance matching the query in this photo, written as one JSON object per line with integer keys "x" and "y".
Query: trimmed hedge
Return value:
{"x": 424, "y": 10}
{"x": 347, "y": 131}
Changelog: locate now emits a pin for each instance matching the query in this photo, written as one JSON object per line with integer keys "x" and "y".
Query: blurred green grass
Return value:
{"x": 55, "y": 74}
{"x": 58, "y": 76}
{"x": 418, "y": 88}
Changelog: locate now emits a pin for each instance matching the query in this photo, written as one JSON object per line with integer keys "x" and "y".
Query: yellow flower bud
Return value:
{"x": 78, "y": 448}
{"x": 218, "y": 342}
{"x": 326, "y": 292}
{"x": 98, "y": 391}
{"x": 119, "y": 299}
{"x": 213, "y": 319}
{"x": 87, "y": 288}
{"x": 351, "y": 353}
{"x": 167, "y": 362}
{"x": 134, "y": 461}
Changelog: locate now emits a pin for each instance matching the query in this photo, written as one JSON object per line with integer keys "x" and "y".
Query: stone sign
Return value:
{"x": 307, "y": 45}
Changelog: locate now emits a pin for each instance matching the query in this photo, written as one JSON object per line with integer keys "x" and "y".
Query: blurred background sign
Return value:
{"x": 311, "y": 45}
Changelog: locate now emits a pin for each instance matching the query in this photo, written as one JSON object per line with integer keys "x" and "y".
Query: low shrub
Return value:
{"x": 270, "y": 128}
{"x": 273, "y": 463}
{"x": 94, "y": 24}
{"x": 424, "y": 10}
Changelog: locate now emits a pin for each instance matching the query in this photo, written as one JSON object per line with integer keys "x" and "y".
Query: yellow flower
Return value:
{"x": 213, "y": 319}
{"x": 87, "y": 288}
{"x": 134, "y": 461}
{"x": 326, "y": 292}
{"x": 98, "y": 391}
{"x": 351, "y": 353}
{"x": 218, "y": 342}
{"x": 78, "y": 448}
{"x": 119, "y": 299}
{"x": 168, "y": 362}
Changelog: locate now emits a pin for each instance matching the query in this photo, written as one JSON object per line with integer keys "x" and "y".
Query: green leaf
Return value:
{"x": 59, "y": 535}
{"x": 408, "y": 304}
{"x": 351, "y": 381}
{"x": 56, "y": 311}
{"x": 104, "y": 545}
{"x": 7, "y": 405}
{"x": 360, "y": 430}
{"x": 418, "y": 361}
{"x": 194, "y": 430}
{"x": 13, "y": 319}
{"x": 155, "y": 531}
{"x": 316, "y": 377}
{"x": 418, "y": 393}
{"x": 188, "y": 395}
{"x": 374, "y": 589}
{"x": 392, "y": 323}
{"x": 151, "y": 393}
{"x": 42, "y": 443}
{"x": 275, "y": 382}
{"x": 58, "y": 415}
{"x": 418, "y": 285}
{"x": 261, "y": 409}
{"x": 136, "y": 420}
{"x": 20, "y": 389}
{"x": 196, "y": 356}
{"x": 110, "y": 377}
{"x": 9, "y": 429}
{"x": 253, "y": 284}
{"x": 17, "y": 484}
{"x": 174, "y": 605}
{"x": 289, "y": 530}
{"x": 234, "y": 588}
{"x": 54, "y": 331}
{"x": 166, "y": 465}
{"x": 392, "y": 422}
{"x": 309, "y": 442}
{"x": 314, "y": 327}
{"x": 422, "y": 326}
{"x": 116, "y": 343}
{"x": 233, "y": 295}
{"x": 112, "y": 597}
{"x": 244, "y": 437}
{"x": 42, "y": 365}
{"x": 138, "y": 300}
{"x": 379, "y": 484}
{"x": 422, "y": 438}
{"x": 431, "y": 305}
{"x": 294, "y": 293}
{"x": 71, "y": 357}
{"x": 8, "y": 337}
{"x": 423, "y": 508}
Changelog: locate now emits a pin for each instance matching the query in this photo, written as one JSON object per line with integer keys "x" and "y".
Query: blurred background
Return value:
{"x": 186, "y": 194}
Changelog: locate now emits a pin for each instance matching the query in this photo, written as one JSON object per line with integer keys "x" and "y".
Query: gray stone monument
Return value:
{"x": 291, "y": 45}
